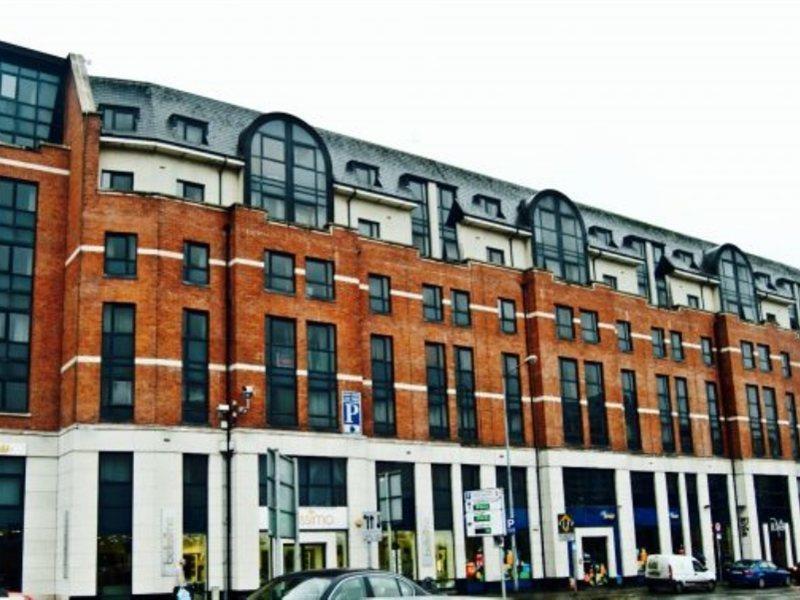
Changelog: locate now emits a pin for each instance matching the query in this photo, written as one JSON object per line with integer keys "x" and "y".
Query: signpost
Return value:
{"x": 372, "y": 532}
{"x": 485, "y": 515}
{"x": 566, "y": 531}
{"x": 351, "y": 412}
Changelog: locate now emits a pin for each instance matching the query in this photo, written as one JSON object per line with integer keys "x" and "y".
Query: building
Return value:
{"x": 160, "y": 250}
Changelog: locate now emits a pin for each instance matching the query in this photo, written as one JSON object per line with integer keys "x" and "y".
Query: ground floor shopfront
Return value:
{"x": 104, "y": 510}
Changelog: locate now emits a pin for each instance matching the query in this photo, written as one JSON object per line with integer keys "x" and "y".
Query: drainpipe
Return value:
{"x": 228, "y": 388}
{"x": 349, "y": 199}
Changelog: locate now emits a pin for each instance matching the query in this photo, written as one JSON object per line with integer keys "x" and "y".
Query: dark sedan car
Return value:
{"x": 757, "y": 573}
{"x": 338, "y": 584}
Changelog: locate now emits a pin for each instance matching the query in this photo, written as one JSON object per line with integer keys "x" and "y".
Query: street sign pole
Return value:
{"x": 502, "y": 565}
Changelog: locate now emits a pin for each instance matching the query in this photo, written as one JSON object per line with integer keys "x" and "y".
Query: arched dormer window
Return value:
{"x": 559, "y": 237}
{"x": 288, "y": 170}
{"x": 736, "y": 282}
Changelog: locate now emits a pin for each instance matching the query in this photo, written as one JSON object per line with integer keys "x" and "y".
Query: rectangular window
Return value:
{"x": 707, "y": 351}
{"x": 364, "y": 174}
{"x": 281, "y": 353}
{"x": 748, "y": 359}
{"x": 319, "y": 279}
{"x": 369, "y": 228}
{"x": 754, "y": 415}
{"x": 119, "y": 118}
{"x": 322, "y": 481}
{"x": 565, "y": 326}
{"x": 665, "y": 413}
{"x": 119, "y": 181}
{"x": 381, "y": 354}
{"x": 624, "y": 337}
{"x": 589, "y": 330}
{"x": 442, "y": 497}
{"x": 279, "y": 272}
{"x": 465, "y": 396}
{"x": 610, "y": 281}
{"x": 28, "y": 101}
{"x": 189, "y": 190}
{"x": 659, "y": 345}
{"x": 195, "y": 366}
{"x": 495, "y": 256}
{"x": 791, "y": 411}
{"x": 508, "y": 316}
{"x": 120, "y": 255}
{"x": 596, "y": 399}
{"x": 322, "y": 389}
{"x": 692, "y": 301}
{"x": 117, "y": 362}
{"x": 786, "y": 364}
{"x": 380, "y": 298}
{"x": 676, "y": 342}
{"x": 764, "y": 360}
{"x": 195, "y": 494}
{"x": 114, "y": 524}
{"x": 684, "y": 421}
{"x": 771, "y": 417}
{"x": 436, "y": 377}
{"x": 420, "y": 226}
{"x": 630, "y": 402}
{"x": 195, "y": 263}
{"x": 645, "y": 513}
{"x": 570, "y": 401}
{"x": 432, "y": 303}
{"x": 12, "y": 519}
{"x": 461, "y": 313}
{"x": 447, "y": 231}
{"x": 190, "y": 130}
{"x": 714, "y": 419}
{"x": 513, "y": 390}
{"x": 492, "y": 207}
{"x": 675, "y": 513}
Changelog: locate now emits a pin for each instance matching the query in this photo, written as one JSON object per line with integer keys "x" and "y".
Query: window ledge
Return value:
{"x": 15, "y": 414}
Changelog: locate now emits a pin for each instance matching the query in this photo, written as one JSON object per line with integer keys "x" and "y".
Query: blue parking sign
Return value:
{"x": 351, "y": 412}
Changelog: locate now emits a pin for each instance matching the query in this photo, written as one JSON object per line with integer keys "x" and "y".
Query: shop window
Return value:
{"x": 444, "y": 541}
{"x": 473, "y": 546}
{"x": 720, "y": 513}
{"x": 322, "y": 388}
{"x": 120, "y": 255}
{"x": 195, "y": 366}
{"x": 279, "y": 272}
{"x": 12, "y": 520}
{"x": 323, "y": 481}
{"x": 398, "y": 554}
{"x": 117, "y": 362}
{"x": 675, "y": 513}
{"x": 115, "y": 524}
{"x": 521, "y": 517}
{"x": 645, "y": 516}
{"x": 195, "y": 519}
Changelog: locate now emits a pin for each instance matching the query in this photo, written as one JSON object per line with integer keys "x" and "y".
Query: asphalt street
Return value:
{"x": 634, "y": 593}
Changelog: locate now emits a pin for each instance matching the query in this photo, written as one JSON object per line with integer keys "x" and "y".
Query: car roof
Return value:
{"x": 332, "y": 573}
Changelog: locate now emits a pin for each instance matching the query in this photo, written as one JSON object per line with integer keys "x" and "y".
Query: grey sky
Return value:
{"x": 683, "y": 114}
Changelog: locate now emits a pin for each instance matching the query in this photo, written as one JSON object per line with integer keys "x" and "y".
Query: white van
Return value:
{"x": 677, "y": 572}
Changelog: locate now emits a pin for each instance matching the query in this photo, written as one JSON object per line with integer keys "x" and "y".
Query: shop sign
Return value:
{"x": 9, "y": 449}
{"x": 566, "y": 526}
{"x": 315, "y": 518}
{"x": 777, "y": 525}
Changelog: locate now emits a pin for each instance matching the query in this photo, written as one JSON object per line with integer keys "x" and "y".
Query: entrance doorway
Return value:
{"x": 595, "y": 561}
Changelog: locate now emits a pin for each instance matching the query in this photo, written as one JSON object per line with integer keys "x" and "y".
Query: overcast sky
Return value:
{"x": 683, "y": 114}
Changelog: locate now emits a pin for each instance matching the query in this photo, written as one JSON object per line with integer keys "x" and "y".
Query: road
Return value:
{"x": 635, "y": 593}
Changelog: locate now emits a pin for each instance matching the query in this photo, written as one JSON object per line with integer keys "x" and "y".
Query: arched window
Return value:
{"x": 737, "y": 290}
{"x": 288, "y": 170}
{"x": 559, "y": 237}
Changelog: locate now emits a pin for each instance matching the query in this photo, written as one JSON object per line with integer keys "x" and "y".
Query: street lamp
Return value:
{"x": 509, "y": 482}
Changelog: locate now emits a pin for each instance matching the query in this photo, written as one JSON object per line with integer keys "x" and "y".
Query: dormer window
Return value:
{"x": 763, "y": 281}
{"x": 491, "y": 206}
{"x": 190, "y": 130}
{"x": 364, "y": 174}
{"x": 119, "y": 118}
{"x": 685, "y": 257}
{"x": 605, "y": 236}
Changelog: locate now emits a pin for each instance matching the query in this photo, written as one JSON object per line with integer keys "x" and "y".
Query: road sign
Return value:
{"x": 510, "y": 525}
{"x": 566, "y": 525}
{"x": 485, "y": 512}
{"x": 372, "y": 531}
{"x": 351, "y": 412}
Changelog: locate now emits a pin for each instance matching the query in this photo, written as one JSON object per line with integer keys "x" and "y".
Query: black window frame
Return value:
{"x": 495, "y": 256}
{"x": 748, "y": 355}
{"x": 791, "y": 412}
{"x": 707, "y": 351}
{"x": 658, "y": 342}
{"x": 624, "y": 337}
{"x": 281, "y": 371}
{"x": 508, "y": 322}
{"x": 420, "y": 221}
{"x": 512, "y": 386}
{"x": 196, "y": 273}
{"x": 110, "y": 112}
{"x": 594, "y": 388}
{"x": 383, "y": 396}
{"x": 183, "y": 125}
{"x": 460, "y": 308}
{"x": 466, "y": 404}
{"x": 380, "y": 303}
{"x": 191, "y": 190}
{"x": 786, "y": 365}
{"x": 664, "y": 396}
{"x": 714, "y": 420}
{"x": 564, "y": 223}
{"x": 676, "y": 346}
{"x": 757, "y": 442}
{"x": 692, "y": 301}
{"x": 326, "y": 284}
{"x": 611, "y": 281}
{"x": 432, "y": 305}
{"x": 323, "y": 381}
{"x": 775, "y": 448}
{"x": 630, "y": 404}
{"x": 448, "y": 234}
{"x": 436, "y": 383}
{"x": 572, "y": 419}
{"x": 116, "y": 181}
{"x": 682, "y": 403}
{"x": 34, "y": 110}
{"x": 565, "y": 322}
{"x": 195, "y": 379}
{"x": 128, "y": 264}
{"x": 332, "y": 491}
{"x": 116, "y": 366}
{"x": 590, "y": 326}
{"x": 764, "y": 358}
{"x": 195, "y": 494}
{"x": 369, "y": 228}
{"x": 274, "y": 281}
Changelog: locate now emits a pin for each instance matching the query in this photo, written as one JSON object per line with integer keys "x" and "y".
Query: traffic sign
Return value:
{"x": 485, "y": 512}
{"x": 372, "y": 526}
{"x": 510, "y": 525}
{"x": 566, "y": 525}
{"x": 351, "y": 412}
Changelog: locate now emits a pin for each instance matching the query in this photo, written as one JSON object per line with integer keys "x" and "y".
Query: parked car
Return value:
{"x": 757, "y": 573}
{"x": 794, "y": 572}
{"x": 4, "y": 593}
{"x": 677, "y": 572}
{"x": 338, "y": 584}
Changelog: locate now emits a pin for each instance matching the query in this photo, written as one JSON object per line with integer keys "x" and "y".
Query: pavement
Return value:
{"x": 635, "y": 592}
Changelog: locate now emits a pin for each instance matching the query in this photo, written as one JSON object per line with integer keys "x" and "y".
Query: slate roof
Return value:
{"x": 226, "y": 121}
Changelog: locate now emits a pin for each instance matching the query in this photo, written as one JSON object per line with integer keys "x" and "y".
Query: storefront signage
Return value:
{"x": 168, "y": 558}
{"x": 777, "y": 525}
{"x": 351, "y": 412}
{"x": 316, "y": 518}
{"x": 9, "y": 449}
{"x": 566, "y": 524}
{"x": 485, "y": 512}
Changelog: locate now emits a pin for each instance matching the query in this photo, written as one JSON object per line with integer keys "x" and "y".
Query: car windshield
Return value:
{"x": 744, "y": 564}
{"x": 293, "y": 588}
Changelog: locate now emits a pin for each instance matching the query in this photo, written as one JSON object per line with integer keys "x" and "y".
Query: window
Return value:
{"x": 707, "y": 351}
{"x": 322, "y": 481}
{"x": 28, "y": 112}
{"x": 114, "y": 523}
{"x": 692, "y": 301}
{"x": 369, "y": 228}
{"x": 610, "y": 281}
{"x": 195, "y": 494}
{"x": 491, "y": 206}
{"x": 380, "y": 299}
{"x": 461, "y": 313}
{"x": 281, "y": 354}
{"x": 288, "y": 171}
{"x": 676, "y": 342}
{"x": 714, "y": 419}
{"x": 791, "y": 411}
{"x": 662, "y": 290}
{"x": 381, "y": 354}
{"x": 196, "y": 192}
{"x": 120, "y": 255}
{"x": 120, "y": 181}
{"x": 117, "y": 363}
{"x": 319, "y": 279}
{"x": 570, "y": 401}
{"x": 12, "y": 523}
{"x": 560, "y": 239}
{"x": 436, "y": 377}
{"x": 432, "y": 303}
{"x": 596, "y": 399}
{"x": 508, "y": 316}
{"x": 754, "y": 415}
{"x": 17, "y": 236}
{"x": 195, "y": 366}
{"x": 441, "y": 482}
{"x": 748, "y": 359}
{"x": 604, "y": 235}
{"x": 659, "y": 345}
{"x": 513, "y": 391}
{"x": 684, "y": 421}
{"x": 624, "y": 337}
{"x": 771, "y": 417}
{"x": 322, "y": 389}
{"x": 195, "y": 263}
{"x": 190, "y": 130}
{"x": 736, "y": 283}
{"x": 642, "y": 275}
{"x": 630, "y": 402}
{"x": 279, "y": 272}
{"x": 465, "y": 396}
{"x": 675, "y": 512}
{"x": 447, "y": 231}
{"x": 786, "y": 364}
{"x": 565, "y": 326}
{"x": 665, "y": 413}
{"x": 119, "y": 118}
{"x": 364, "y": 174}
{"x": 764, "y": 361}
{"x": 589, "y": 330}
{"x": 495, "y": 256}
{"x": 420, "y": 226}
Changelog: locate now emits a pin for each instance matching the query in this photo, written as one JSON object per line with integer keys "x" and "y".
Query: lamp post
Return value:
{"x": 509, "y": 482}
